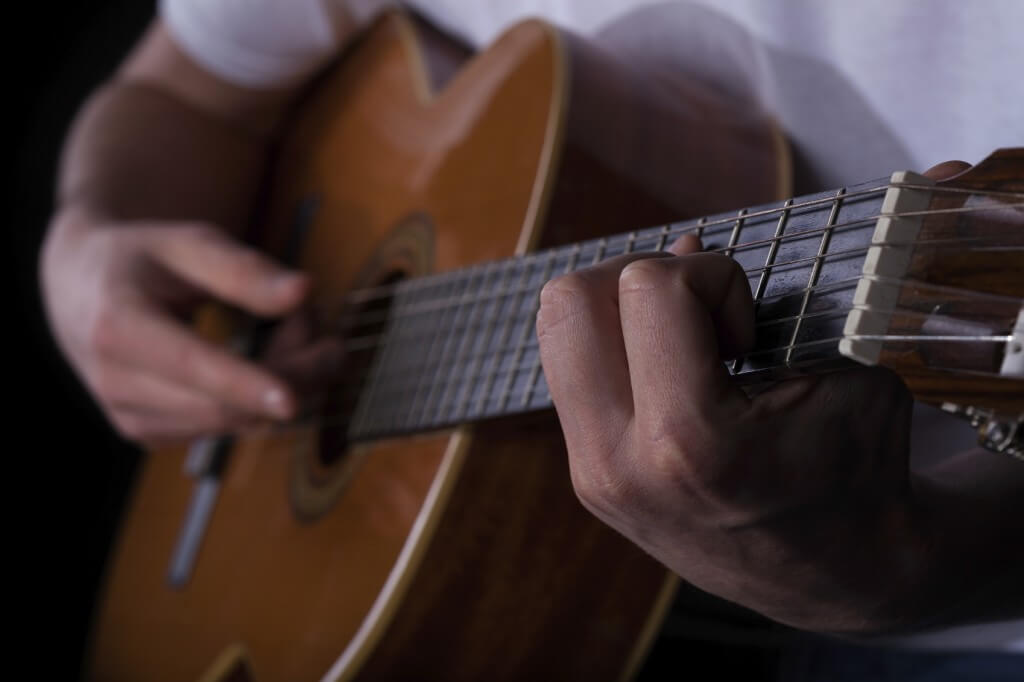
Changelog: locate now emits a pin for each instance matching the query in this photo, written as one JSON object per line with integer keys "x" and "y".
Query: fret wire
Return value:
{"x": 701, "y": 224}
{"x": 535, "y": 370}
{"x": 735, "y": 233}
{"x": 729, "y": 250}
{"x": 773, "y": 249}
{"x": 629, "y": 243}
{"x": 663, "y": 238}
{"x": 599, "y": 252}
{"x": 493, "y": 365}
{"x": 524, "y": 337}
{"x": 815, "y": 270}
{"x": 460, "y": 351}
{"x": 762, "y": 282}
{"x": 439, "y": 333}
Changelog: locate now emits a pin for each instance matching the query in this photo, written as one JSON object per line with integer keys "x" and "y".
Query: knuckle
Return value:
{"x": 599, "y": 488}
{"x": 683, "y": 455}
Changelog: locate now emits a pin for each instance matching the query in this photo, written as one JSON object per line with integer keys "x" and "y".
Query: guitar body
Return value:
{"x": 460, "y": 554}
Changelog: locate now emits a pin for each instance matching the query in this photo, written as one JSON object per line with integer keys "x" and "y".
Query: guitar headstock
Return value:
{"x": 941, "y": 300}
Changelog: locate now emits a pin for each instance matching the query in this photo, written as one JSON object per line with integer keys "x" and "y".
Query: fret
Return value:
{"x": 494, "y": 364}
{"x": 812, "y": 279}
{"x": 762, "y": 283}
{"x": 700, "y": 227}
{"x": 439, "y": 345}
{"x": 662, "y": 238}
{"x": 524, "y": 337}
{"x": 465, "y": 394}
{"x": 535, "y": 369}
{"x": 773, "y": 250}
{"x": 736, "y": 228}
{"x": 630, "y": 241}
{"x": 467, "y": 338}
{"x": 599, "y": 253}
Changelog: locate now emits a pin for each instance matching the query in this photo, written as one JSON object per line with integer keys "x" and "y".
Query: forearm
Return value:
{"x": 136, "y": 151}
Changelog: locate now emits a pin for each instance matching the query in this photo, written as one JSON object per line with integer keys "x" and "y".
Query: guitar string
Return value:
{"x": 543, "y": 396}
{"x": 350, "y": 388}
{"x": 516, "y": 394}
{"x": 353, "y": 386}
{"x": 412, "y": 311}
{"x": 818, "y": 289}
{"x": 368, "y": 317}
{"x": 726, "y": 224}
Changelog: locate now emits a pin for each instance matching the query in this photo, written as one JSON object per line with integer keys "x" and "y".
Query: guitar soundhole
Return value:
{"x": 364, "y": 324}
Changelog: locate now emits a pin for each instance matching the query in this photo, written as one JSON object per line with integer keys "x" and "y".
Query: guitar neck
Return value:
{"x": 460, "y": 346}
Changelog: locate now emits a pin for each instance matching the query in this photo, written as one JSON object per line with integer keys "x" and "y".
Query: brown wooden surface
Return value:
{"x": 518, "y": 581}
{"x": 938, "y": 372}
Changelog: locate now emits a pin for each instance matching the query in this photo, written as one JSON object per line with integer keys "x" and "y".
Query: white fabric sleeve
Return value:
{"x": 263, "y": 43}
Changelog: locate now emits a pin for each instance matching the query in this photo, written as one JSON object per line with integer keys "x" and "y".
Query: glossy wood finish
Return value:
{"x": 444, "y": 556}
{"x": 964, "y": 272}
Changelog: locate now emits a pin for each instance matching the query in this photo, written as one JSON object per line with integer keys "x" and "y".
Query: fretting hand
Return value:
{"x": 797, "y": 502}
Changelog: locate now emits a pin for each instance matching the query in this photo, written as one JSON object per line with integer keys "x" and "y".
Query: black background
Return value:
{"x": 66, "y": 472}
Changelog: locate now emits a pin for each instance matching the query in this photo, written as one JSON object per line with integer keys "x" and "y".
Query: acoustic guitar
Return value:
{"x": 421, "y": 524}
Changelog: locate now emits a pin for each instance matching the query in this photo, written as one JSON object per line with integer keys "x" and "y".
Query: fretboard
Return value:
{"x": 460, "y": 346}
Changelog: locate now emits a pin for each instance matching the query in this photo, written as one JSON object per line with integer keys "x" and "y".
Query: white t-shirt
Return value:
{"x": 861, "y": 89}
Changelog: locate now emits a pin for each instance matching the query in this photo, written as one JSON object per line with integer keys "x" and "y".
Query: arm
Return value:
{"x": 157, "y": 177}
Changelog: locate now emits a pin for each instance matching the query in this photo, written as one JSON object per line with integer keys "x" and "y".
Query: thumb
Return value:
{"x": 213, "y": 261}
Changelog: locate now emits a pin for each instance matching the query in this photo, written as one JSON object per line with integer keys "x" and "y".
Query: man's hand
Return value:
{"x": 792, "y": 502}
{"x": 120, "y": 297}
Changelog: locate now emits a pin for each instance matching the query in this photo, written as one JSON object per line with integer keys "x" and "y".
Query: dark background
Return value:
{"x": 67, "y": 470}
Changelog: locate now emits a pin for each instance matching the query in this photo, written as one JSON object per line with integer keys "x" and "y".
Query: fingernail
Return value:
{"x": 277, "y": 403}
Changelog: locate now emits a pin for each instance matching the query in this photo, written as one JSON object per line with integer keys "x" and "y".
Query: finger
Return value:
{"x": 293, "y": 332}
{"x": 123, "y": 387}
{"x": 156, "y": 428}
{"x": 155, "y": 344}
{"x": 946, "y": 169}
{"x": 583, "y": 355}
{"x": 311, "y": 369}
{"x": 677, "y": 314}
{"x": 211, "y": 260}
{"x": 688, "y": 243}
